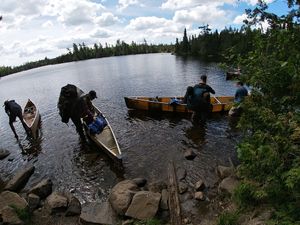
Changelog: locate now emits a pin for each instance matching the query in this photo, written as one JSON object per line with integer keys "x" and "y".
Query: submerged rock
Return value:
{"x": 4, "y": 153}
{"x": 42, "y": 189}
{"x": 189, "y": 154}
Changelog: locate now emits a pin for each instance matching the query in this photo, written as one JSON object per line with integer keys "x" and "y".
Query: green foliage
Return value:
{"x": 23, "y": 214}
{"x": 228, "y": 218}
{"x": 269, "y": 152}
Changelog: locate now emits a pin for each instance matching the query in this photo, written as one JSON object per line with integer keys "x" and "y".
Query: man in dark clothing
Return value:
{"x": 83, "y": 109}
{"x": 201, "y": 101}
{"x": 241, "y": 92}
{"x": 14, "y": 110}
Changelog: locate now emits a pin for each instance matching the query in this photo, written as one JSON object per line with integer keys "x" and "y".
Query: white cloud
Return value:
{"x": 239, "y": 19}
{"x": 123, "y": 4}
{"x": 180, "y": 4}
{"x": 254, "y": 2}
{"x": 47, "y": 24}
{"x": 144, "y": 23}
{"x": 101, "y": 33}
{"x": 106, "y": 19}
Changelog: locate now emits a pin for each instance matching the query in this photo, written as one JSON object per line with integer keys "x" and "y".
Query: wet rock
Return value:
{"x": 199, "y": 186}
{"x": 157, "y": 186}
{"x": 224, "y": 171}
{"x": 199, "y": 196}
{"x": 74, "y": 206}
{"x": 33, "y": 201}
{"x": 164, "y": 199}
{"x": 128, "y": 222}
{"x": 181, "y": 173}
{"x": 56, "y": 203}
{"x": 144, "y": 205}
{"x": 189, "y": 154}
{"x": 121, "y": 195}
{"x": 8, "y": 198}
{"x": 42, "y": 189}
{"x": 10, "y": 217}
{"x": 182, "y": 187}
{"x": 140, "y": 182}
{"x": 228, "y": 185}
{"x": 98, "y": 213}
{"x": 20, "y": 178}
{"x": 4, "y": 153}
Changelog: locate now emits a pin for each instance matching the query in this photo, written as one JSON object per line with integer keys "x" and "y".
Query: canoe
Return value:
{"x": 163, "y": 104}
{"x": 106, "y": 139}
{"x": 31, "y": 117}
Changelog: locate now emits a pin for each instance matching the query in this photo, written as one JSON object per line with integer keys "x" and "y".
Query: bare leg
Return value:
{"x": 13, "y": 129}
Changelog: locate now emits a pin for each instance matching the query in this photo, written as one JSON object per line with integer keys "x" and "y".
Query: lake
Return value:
{"x": 147, "y": 141}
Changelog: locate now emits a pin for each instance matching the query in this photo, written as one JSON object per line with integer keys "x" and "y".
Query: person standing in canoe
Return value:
{"x": 83, "y": 109}
{"x": 14, "y": 110}
{"x": 198, "y": 100}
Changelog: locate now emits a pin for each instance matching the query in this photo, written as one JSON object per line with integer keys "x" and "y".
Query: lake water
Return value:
{"x": 147, "y": 141}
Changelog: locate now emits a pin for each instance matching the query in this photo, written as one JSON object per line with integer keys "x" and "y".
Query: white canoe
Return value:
{"x": 31, "y": 117}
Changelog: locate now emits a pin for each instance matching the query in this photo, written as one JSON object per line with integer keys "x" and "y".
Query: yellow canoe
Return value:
{"x": 162, "y": 104}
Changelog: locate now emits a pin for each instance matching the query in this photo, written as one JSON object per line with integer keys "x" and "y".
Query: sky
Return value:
{"x": 31, "y": 30}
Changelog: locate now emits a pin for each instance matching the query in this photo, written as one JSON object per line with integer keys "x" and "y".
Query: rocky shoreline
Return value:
{"x": 129, "y": 201}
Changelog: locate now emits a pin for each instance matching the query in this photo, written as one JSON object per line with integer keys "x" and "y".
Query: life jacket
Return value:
{"x": 66, "y": 102}
{"x": 199, "y": 99}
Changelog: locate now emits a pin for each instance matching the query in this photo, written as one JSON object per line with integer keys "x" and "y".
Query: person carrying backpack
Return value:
{"x": 198, "y": 100}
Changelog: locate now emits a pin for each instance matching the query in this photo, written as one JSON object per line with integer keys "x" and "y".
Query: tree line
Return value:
{"x": 83, "y": 52}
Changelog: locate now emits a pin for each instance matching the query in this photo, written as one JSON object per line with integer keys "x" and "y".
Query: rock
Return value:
{"x": 224, "y": 171}
{"x": 181, "y": 173}
{"x": 128, "y": 222}
{"x": 98, "y": 213}
{"x": 33, "y": 201}
{"x": 182, "y": 187}
{"x": 4, "y": 153}
{"x": 157, "y": 186}
{"x": 8, "y": 198}
{"x": 121, "y": 195}
{"x": 74, "y": 206}
{"x": 189, "y": 154}
{"x": 140, "y": 182}
{"x": 144, "y": 205}
{"x": 199, "y": 196}
{"x": 20, "y": 178}
{"x": 199, "y": 186}
{"x": 42, "y": 189}
{"x": 164, "y": 199}
{"x": 10, "y": 217}
{"x": 228, "y": 185}
{"x": 56, "y": 203}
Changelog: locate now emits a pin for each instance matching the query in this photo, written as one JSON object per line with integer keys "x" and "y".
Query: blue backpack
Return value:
{"x": 197, "y": 100}
{"x": 97, "y": 126}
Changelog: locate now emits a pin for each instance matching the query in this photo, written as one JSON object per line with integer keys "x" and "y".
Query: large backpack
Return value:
{"x": 198, "y": 100}
{"x": 67, "y": 99}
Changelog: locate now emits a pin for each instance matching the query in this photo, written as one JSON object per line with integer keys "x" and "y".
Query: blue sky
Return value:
{"x": 35, "y": 29}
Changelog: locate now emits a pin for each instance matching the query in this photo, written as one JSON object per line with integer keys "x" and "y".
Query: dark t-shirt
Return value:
{"x": 240, "y": 94}
{"x": 13, "y": 110}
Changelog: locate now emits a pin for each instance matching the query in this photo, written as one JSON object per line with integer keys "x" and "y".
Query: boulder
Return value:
{"x": 98, "y": 213}
{"x": 33, "y": 201}
{"x": 199, "y": 196}
{"x": 182, "y": 187}
{"x": 20, "y": 178}
{"x": 224, "y": 171}
{"x": 199, "y": 186}
{"x": 121, "y": 195}
{"x": 189, "y": 154}
{"x": 157, "y": 186}
{"x": 10, "y": 217}
{"x": 4, "y": 153}
{"x": 8, "y": 198}
{"x": 228, "y": 185}
{"x": 181, "y": 173}
{"x": 140, "y": 182}
{"x": 74, "y": 206}
{"x": 56, "y": 203}
{"x": 42, "y": 189}
{"x": 144, "y": 205}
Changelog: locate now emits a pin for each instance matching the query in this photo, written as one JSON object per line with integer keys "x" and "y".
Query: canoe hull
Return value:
{"x": 162, "y": 104}
{"x": 31, "y": 117}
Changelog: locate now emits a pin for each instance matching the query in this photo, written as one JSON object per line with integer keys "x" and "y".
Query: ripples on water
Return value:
{"x": 147, "y": 141}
